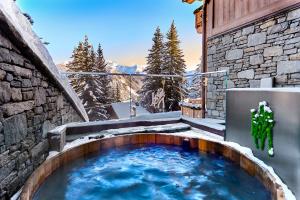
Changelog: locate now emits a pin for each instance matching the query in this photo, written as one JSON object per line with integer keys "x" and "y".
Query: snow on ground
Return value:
{"x": 16, "y": 196}
{"x": 211, "y": 123}
{"x": 138, "y": 129}
{"x": 122, "y": 110}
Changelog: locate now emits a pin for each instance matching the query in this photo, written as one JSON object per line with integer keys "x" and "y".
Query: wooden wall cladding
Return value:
{"x": 226, "y": 15}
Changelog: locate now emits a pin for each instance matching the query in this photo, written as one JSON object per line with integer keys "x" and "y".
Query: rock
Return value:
{"x": 16, "y": 94}
{"x": 293, "y": 14}
{"x": 5, "y": 92}
{"x": 5, "y": 42}
{"x": 26, "y": 73}
{"x": 215, "y": 113}
{"x": 2, "y": 74}
{"x": 256, "y": 59}
{"x": 37, "y": 119}
{"x": 47, "y": 126}
{"x": 16, "y": 108}
{"x": 26, "y": 83}
{"x": 254, "y": 83}
{"x": 211, "y": 50}
{"x": 17, "y": 84}
{"x": 281, "y": 79}
{"x": 293, "y": 40}
{"x": 27, "y": 95}
{"x": 268, "y": 24}
{"x": 9, "y": 77}
{"x": 273, "y": 51}
{"x": 247, "y": 74}
{"x": 234, "y": 54}
{"x": 4, "y": 55}
{"x": 39, "y": 96}
{"x": 40, "y": 149}
{"x": 287, "y": 67}
{"x": 256, "y": 39}
{"x": 290, "y": 51}
{"x": 278, "y": 28}
{"x": 60, "y": 102}
{"x": 16, "y": 59}
{"x": 15, "y": 129}
{"x": 45, "y": 84}
{"x": 1, "y": 127}
{"x": 248, "y": 30}
{"x": 295, "y": 56}
{"x": 38, "y": 110}
{"x": 35, "y": 81}
{"x": 227, "y": 39}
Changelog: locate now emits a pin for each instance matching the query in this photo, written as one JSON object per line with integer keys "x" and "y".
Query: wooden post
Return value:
{"x": 204, "y": 56}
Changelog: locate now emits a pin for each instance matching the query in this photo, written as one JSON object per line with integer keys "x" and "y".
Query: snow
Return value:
{"x": 122, "y": 110}
{"x": 263, "y": 103}
{"x": 138, "y": 129}
{"x": 52, "y": 154}
{"x": 217, "y": 125}
{"x": 266, "y": 89}
{"x": 190, "y": 105}
{"x": 16, "y": 196}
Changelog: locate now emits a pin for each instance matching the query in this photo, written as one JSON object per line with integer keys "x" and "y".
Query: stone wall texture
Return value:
{"x": 268, "y": 48}
{"x": 30, "y": 105}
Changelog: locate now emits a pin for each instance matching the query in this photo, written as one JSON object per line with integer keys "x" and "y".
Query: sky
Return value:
{"x": 124, "y": 28}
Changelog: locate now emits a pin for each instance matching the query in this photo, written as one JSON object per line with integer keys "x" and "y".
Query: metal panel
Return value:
{"x": 286, "y": 106}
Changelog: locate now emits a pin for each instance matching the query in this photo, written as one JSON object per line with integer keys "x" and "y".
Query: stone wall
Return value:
{"x": 30, "y": 105}
{"x": 269, "y": 48}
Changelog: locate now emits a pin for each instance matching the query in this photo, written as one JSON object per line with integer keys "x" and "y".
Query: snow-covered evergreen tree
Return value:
{"x": 173, "y": 64}
{"x": 195, "y": 87}
{"x": 116, "y": 93}
{"x": 89, "y": 88}
{"x": 103, "y": 82}
{"x": 154, "y": 66}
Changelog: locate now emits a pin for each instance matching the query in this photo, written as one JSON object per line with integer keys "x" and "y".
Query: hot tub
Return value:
{"x": 150, "y": 166}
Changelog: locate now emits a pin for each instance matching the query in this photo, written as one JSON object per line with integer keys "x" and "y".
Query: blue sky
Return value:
{"x": 123, "y": 27}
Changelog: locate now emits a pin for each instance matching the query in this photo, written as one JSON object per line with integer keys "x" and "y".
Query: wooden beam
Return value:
{"x": 188, "y": 1}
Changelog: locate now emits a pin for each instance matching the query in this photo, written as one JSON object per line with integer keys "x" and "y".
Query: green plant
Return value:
{"x": 262, "y": 123}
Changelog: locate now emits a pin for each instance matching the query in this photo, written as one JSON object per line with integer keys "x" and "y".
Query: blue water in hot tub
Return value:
{"x": 151, "y": 173}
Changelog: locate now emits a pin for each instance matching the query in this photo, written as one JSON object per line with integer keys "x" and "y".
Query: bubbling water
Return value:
{"x": 151, "y": 173}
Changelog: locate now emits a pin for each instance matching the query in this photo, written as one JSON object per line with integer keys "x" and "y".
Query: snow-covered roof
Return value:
{"x": 122, "y": 110}
{"x": 21, "y": 33}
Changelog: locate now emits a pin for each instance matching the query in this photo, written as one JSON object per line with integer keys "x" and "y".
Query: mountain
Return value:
{"x": 123, "y": 82}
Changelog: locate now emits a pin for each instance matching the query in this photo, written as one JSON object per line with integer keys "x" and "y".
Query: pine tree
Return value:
{"x": 116, "y": 93}
{"x": 103, "y": 82}
{"x": 154, "y": 66}
{"x": 89, "y": 88}
{"x": 174, "y": 64}
{"x": 76, "y": 66}
{"x": 195, "y": 87}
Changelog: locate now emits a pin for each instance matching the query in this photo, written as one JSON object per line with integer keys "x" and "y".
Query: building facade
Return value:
{"x": 252, "y": 40}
